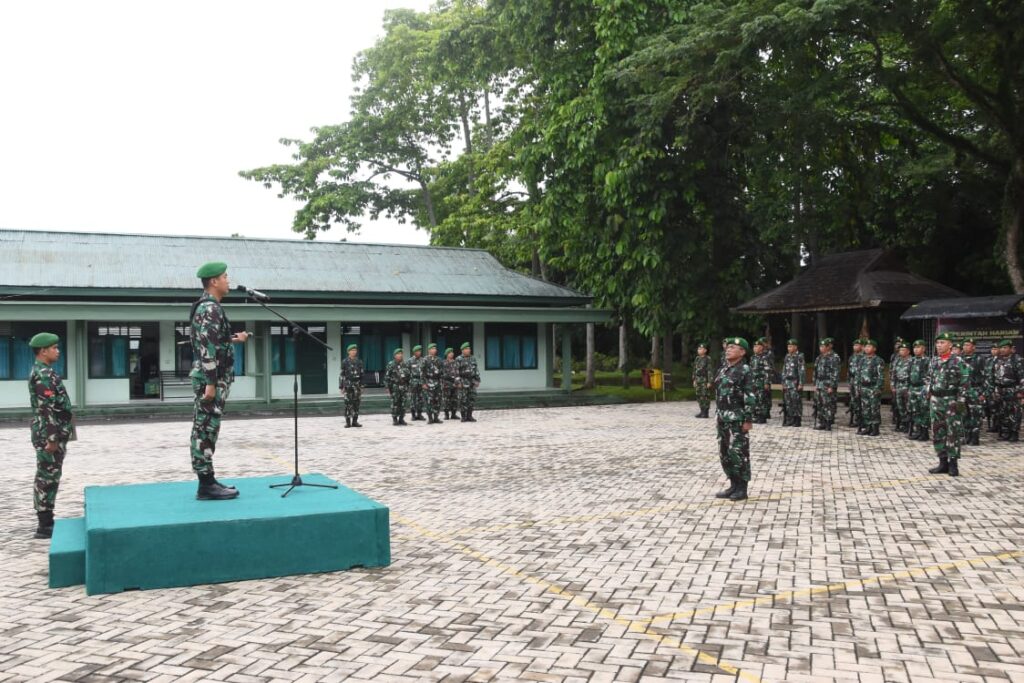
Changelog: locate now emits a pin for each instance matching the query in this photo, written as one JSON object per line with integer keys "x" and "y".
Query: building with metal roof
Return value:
{"x": 120, "y": 303}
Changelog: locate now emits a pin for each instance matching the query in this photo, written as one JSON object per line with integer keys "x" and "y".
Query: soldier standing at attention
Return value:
{"x": 947, "y": 391}
{"x": 416, "y": 386}
{"x": 703, "y": 379}
{"x": 51, "y": 427}
{"x": 872, "y": 377}
{"x": 735, "y": 401}
{"x": 759, "y": 371}
{"x": 351, "y": 384}
{"x": 899, "y": 378}
{"x": 213, "y": 371}
{"x": 917, "y": 393}
{"x": 432, "y": 370}
{"x": 975, "y": 368}
{"x": 852, "y": 378}
{"x": 794, "y": 369}
{"x": 992, "y": 396}
{"x": 826, "y": 382}
{"x": 892, "y": 361}
{"x": 1007, "y": 375}
{"x": 448, "y": 381}
{"x": 397, "y": 376}
{"x": 468, "y": 381}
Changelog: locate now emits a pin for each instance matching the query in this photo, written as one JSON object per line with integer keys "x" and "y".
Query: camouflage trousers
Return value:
{"x": 49, "y": 467}
{"x": 432, "y": 399}
{"x": 761, "y": 406}
{"x": 974, "y": 418}
{"x": 704, "y": 395}
{"x": 765, "y": 397}
{"x": 870, "y": 406}
{"x": 467, "y": 398}
{"x": 855, "y": 405}
{"x": 449, "y": 397}
{"x": 206, "y": 425}
{"x": 1009, "y": 410}
{"x": 901, "y": 399}
{"x": 352, "y": 397}
{"x": 399, "y": 401}
{"x": 417, "y": 397}
{"x": 733, "y": 449}
{"x": 792, "y": 400}
{"x": 917, "y": 403}
{"x": 947, "y": 426}
{"x": 826, "y": 404}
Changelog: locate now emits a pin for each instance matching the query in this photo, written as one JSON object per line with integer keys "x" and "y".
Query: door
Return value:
{"x": 311, "y": 361}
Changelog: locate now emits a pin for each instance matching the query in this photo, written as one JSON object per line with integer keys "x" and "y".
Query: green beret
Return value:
{"x": 351, "y": 346}
{"x": 211, "y": 269}
{"x": 1005, "y": 343}
{"x": 945, "y": 336}
{"x": 737, "y": 341}
{"x": 958, "y": 344}
{"x": 449, "y": 350}
{"x": 870, "y": 342}
{"x": 903, "y": 345}
{"x": 899, "y": 340}
{"x": 826, "y": 341}
{"x": 969, "y": 340}
{"x": 431, "y": 345}
{"x": 465, "y": 345}
{"x": 397, "y": 351}
{"x": 417, "y": 348}
{"x": 702, "y": 345}
{"x": 792, "y": 341}
{"x": 43, "y": 340}
{"x": 858, "y": 341}
{"x": 920, "y": 342}
{"x": 761, "y": 340}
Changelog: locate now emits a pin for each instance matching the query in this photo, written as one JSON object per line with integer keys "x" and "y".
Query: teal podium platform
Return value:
{"x": 67, "y": 553}
{"x": 146, "y": 536}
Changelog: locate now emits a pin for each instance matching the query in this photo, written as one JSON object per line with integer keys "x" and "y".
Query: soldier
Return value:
{"x": 947, "y": 391}
{"x": 448, "y": 385}
{"x": 826, "y": 382}
{"x": 213, "y": 371}
{"x": 735, "y": 402}
{"x": 917, "y": 393}
{"x": 51, "y": 427}
{"x": 899, "y": 379}
{"x": 871, "y": 376}
{"x": 794, "y": 369}
{"x": 432, "y": 370}
{"x": 351, "y": 384}
{"x": 992, "y": 396}
{"x": 852, "y": 370}
{"x": 975, "y": 368}
{"x": 468, "y": 381}
{"x": 1007, "y": 375}
{"x": 703, "y": 379}
{"x": 760, "y": 375}
{"x": 415, "y": 367}
{"x": 397, "y": 377}
{"x": 892, "y": 361}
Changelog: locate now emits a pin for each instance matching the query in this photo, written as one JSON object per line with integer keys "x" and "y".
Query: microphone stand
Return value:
{"x": 298, "y": 332}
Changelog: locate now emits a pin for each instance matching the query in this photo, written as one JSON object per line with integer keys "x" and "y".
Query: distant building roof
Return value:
{"x": 870, "y": 278}
{"x": 967, "y": 307}
{"x": 146, "y": 265}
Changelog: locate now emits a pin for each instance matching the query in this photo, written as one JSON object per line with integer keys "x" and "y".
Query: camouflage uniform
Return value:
{"x": 416, "y": 399}
{"x": 1007, "y": 375}
{"x": 947, "y": 389}
{"x": 974, "y": 367}
{"x": 826, "y": 376}
{"x": 793, "y": 371}
{"x": 991, "y": 395}
{"x": 466, "y": 383}
{"x": 899, "y": 379}
{"x": 703, "y": 380}
{"x": 760, "y": 374}
{"x": 397, "y": 376}
{"x": 917, "y": 395}
{"x": 735, "y": 402}
{"x": 213, "y": 363}
{"x": 51, "y": 423}
{"x": 351, "y": 384}
{"x": 432, "y": 370}
{"x": 871, "y": 376}
{"x": 853, "y": 367}
{"x": 449, "y": 388}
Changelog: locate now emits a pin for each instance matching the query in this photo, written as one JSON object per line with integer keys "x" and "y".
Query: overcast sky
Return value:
{"x": 137, "y": 116}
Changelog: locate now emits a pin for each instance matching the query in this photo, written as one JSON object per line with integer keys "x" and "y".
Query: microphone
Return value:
{"x": 254, "y": 294}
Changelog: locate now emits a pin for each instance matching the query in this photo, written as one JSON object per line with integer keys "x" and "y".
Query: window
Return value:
{"x": 108, "y": 348}
{"x": 17, "y": 357}
{"x": 282, "y": 350}
{"x": 511, "y": 347}
{"x": 183, "y": 349}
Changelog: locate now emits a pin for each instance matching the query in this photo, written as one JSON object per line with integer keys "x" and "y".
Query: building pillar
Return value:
{"x": 566, "y": 357}
{"x": 81, "y": 360}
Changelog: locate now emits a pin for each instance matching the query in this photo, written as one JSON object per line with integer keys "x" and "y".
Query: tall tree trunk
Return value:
{"x": 591, "y": 381}
{"x": 666, "y": 358}
{"x": 1013, "y": 220}
{"x": 428, "y": 200}
{"x": 623, "y": 355}
{"x": 655, "y": 351}
{"x": 487, "y": 116}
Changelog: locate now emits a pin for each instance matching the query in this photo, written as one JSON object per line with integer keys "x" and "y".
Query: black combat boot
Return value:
{"x": 437, "y": 418}
{"x": 419, "y": 416}
{"x": 912, "y": 434}
{"x": 785, "y": 420}
{"x": 861, "y": 431}
{"x": 210, "y": 489}
{"x": 401, "y": 421}
{"x": 348, "y": 422}
{"x": 873, "y": 430}
{"x": 819, "y": 426}
{"x": 700, "y": 413}
{"x": 954, "y": 467}
{"x": 394, "y": 420}
{"x": 853, "y": 422}
{"x": 943, "y": 467}
{"x": 447, "y": 415}
{"x": 455, "y": 416}
{"x": 1004, "y": 436}
{"x": 797, "y": 421}
{"x": 469, "y": 416}
{"x": 725, "y": 493}
{"x": 705, "y": 415}
{"x": 740, "y": 493}
{"x": 355, "y": 420}
{"x": 975, "y": 438}
{"x": 45, "y": 527}
{"x": 1014, "y": 437}
{"x": 828, "y": 426}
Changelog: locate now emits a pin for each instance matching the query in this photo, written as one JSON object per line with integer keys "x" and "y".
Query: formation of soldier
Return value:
{"x": 430, "y": 383}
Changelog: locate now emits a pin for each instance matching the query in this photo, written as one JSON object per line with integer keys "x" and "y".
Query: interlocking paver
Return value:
{"x": 564, "y": 544}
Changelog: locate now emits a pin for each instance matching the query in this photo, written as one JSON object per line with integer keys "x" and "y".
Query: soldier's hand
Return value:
{"x": 240, "y": 337}
{"x": 51, "y": 447}
{"x": 210, "y": 393}
{"x": 747, "y": 426}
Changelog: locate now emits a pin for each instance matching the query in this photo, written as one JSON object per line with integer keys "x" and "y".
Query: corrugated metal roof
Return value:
{"x": 115, "y": 261}
{"x": 967, "y": 307}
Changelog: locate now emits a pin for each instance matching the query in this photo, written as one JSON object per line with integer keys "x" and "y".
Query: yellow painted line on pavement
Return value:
{"x": 840, "y": 586}
{"x": 635, "y": 626}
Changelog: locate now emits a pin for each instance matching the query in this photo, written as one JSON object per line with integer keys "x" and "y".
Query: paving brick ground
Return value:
{"x": 566, "y": 544}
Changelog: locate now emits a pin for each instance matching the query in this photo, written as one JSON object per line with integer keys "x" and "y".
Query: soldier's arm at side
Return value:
{"x": 46, "y": 394}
